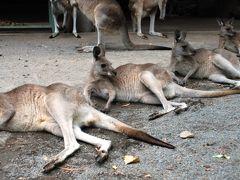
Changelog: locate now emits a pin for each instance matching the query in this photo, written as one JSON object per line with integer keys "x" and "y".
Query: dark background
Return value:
{"x": 37, "y": 11}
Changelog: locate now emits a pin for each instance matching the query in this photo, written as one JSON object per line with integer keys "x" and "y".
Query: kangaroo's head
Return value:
{"x": 228, "y": 35}
{"x": 226, "y": 27}
{"x": 181, "y": 46}
{"x": 162, "y": 4}
{"x": 101, "y": 65}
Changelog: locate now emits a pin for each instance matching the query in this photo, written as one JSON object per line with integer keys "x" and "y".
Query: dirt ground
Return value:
{"x": 33, "y": 58}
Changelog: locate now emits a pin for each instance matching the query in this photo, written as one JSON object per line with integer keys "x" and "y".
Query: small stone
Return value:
{"x": 186, "y": 134}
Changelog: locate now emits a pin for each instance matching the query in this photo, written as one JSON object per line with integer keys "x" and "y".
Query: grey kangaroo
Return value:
{"x": 202, "y": 63}
{"x": 142, "y": 8}
{"x": 107, "y": 16}
{"x": 63, "y": 7}
{"x": 62, "y": 110}
{"x": 144, "y": 83}
{"x": 228, "y": 38}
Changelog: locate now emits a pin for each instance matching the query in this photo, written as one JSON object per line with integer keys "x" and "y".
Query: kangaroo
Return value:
{"x": 63, "y": 7}
{"x": 202, "y": 63}
{"x": 62, "y": 110}
{"x": 228, "y": 38}
{"x": 144, "y": 83}
{"x": 142, "y": 8}
{"x": 107, "y": 16}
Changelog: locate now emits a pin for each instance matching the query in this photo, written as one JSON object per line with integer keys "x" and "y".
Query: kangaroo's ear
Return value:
{"x": 177, "y": 35}
{"x": 230, "y": 21}
{"x": 96, "y": 52}
{"x": 183, "y": 35}
{"x": 220, "y": 22}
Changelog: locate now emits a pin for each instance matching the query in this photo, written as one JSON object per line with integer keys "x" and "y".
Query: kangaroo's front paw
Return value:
{"x": 179, "y": 110}
{"x": 105, "y": 110}
{"x": 182, "y": 82}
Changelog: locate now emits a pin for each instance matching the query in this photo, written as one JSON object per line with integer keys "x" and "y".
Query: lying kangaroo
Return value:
{"x": 202, "y": 63}
{"x": 61, "y": 110}
{"x": 142, "y": 8}
{"x": 63, "y": 7}
{"x": 145, "y": 83}
{"x": 228, "y": 38}
{"x": 107, "y": 16}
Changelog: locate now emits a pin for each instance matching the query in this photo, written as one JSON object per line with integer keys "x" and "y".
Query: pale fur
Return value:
{"x": 144, "y": 83}
{"x": 61, "y": 110}
{"x": 107, "y": 16}
{"x": 143, "y": 8}
{"x": 63, "y": 7}
{"x": 203, "y": 63}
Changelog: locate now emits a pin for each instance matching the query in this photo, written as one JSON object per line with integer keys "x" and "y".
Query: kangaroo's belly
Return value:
{"x": 28, "y": 119}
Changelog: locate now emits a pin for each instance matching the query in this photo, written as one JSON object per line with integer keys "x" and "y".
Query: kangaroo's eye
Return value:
{"x": 184, "y": 47}
{"x": 103, "y": 65}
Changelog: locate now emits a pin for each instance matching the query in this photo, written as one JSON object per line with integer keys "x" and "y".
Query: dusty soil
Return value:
{"x": 33, "y": 58}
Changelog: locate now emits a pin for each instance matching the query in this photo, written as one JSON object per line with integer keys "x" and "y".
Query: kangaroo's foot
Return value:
{"x": 85, "y": 49}
{"x": 60, "y": 158}
{"x": 158, "y": 34}
{"x": 143, "y": 36}
{"x": 158, "y": 114}
{"x": 102, "y": 152}
{"x": 76, "y": 35}
{"x": 53, "y": 35}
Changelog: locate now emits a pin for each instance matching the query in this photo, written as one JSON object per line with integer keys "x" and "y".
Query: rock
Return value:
{"x": 186, "y": 134}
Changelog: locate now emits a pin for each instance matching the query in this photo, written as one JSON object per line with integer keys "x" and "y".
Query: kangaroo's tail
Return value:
{"x": 186, "y": 92}
{"x": 115, "y": 125}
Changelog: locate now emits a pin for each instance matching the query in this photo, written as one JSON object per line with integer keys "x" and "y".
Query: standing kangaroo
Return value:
{"x": 63, "y": 7}
{"x": 202, "y": 63}
{"x": 228, "y": 38}
{"x": 107, "y": 16}
{"x": 142, "y": 8}
{"x": 144, "y": 83}
{"x": 61, "y": 110}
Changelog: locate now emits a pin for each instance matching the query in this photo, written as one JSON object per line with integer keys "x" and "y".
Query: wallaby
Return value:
{"x": 63, "y": 7}
{"x": 228, "y": 38}
{"x": 202, "y": 63}
{"x": 62, "y": 110}
{"x": 107, "y": 16}
{"x": 144, "y": 83}
{"x": 142, "y": 8}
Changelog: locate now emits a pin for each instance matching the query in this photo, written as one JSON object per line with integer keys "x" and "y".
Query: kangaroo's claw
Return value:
{"x": 50, "y": 166}
{"x": 102, "y": 156}
{"x": 155, "y": 115}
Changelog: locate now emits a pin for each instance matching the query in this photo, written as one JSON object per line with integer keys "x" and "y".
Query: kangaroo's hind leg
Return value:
{"x": 226, "y": 66}
{"x": 219, "y": 78}
{"x": 156, "y": 86}
{"x": 62, "y": 113}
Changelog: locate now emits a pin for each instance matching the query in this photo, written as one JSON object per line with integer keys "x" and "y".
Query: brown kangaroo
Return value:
{"x": 62, "y": 110}
{"x": 107, "y": 16}
{"x": 228, "y": 38}
{"x": 144, "y": 83}
{"x": 142, "y": 8}
{"x": 203, "y": 63}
